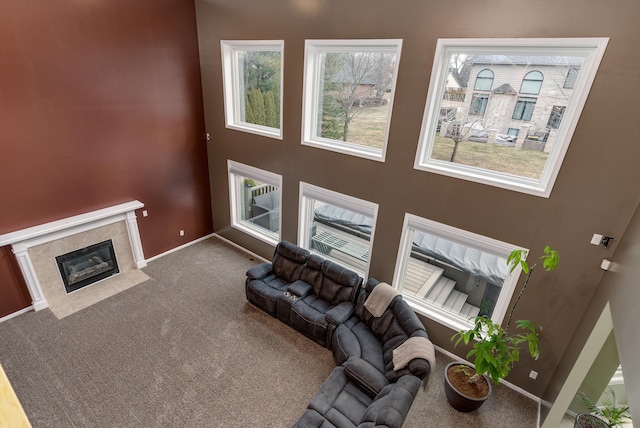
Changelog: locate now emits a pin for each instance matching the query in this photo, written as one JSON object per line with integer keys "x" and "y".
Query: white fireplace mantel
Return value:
{"x": 22, "y": 240}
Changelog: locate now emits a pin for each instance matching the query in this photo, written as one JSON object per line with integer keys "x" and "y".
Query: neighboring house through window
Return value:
{"x": 570, "y": 81}
{"x": 478, "y": 104}
{"x": 524, "y": 108}
{"x": 484, "y": 80}
{"x": 532, "y": 83}
{"x": 512, "y": 87}
{"x": 555, "y": 117}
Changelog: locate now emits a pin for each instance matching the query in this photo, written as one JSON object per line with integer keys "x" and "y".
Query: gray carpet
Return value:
{"x": 185, "y": 349}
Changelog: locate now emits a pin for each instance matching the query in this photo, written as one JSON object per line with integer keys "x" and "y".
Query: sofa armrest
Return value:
{"x": 260, "y": 271}
{"x": 299, "y": 288}
{"x": 366, "y": 376}
{"x": 420, "y": 368}
{"x": 340, "y": 313}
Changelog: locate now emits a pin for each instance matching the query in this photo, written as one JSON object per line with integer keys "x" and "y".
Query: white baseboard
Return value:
{"x": 173, "y": 250}
{"x": 15, "y": 314}
{"x": 244, "y": 250}
{"x": 503, "y": 382}
{"x": 211, "y": 235}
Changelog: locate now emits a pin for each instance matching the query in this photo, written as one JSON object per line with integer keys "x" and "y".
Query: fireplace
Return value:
{"x": 42, "y": 250}
{"x": 87, "y": 265}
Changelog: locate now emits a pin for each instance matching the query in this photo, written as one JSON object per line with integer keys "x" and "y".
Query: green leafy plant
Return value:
{"x": 495, "y": 351}
{"x": 611, "y": 412}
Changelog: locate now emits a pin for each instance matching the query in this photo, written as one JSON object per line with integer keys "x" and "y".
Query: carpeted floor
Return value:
{"x": 185, "y": 349}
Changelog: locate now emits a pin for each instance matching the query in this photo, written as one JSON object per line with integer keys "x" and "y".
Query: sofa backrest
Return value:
{"x": 289, "y": 261}
{"x": 398, "y": 323}
{"x": 339, "y": 284}
{"x": 312, "y": 272}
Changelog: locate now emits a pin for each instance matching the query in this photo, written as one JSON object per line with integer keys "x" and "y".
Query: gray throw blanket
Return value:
{"x": 379, "y": 299}
{"x": 415, "y": 347}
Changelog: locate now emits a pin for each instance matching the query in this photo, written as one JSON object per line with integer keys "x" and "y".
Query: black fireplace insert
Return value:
{"x": 87, "y": 265}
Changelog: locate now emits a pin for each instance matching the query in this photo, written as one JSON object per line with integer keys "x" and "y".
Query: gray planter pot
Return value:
{"x": 458, "y": 400}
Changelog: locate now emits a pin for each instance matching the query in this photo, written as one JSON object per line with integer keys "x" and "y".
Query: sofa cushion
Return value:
{"x": 308, "y": 316}
{"x": 339, "y": 284}
{"x": 391, "y": 406}
{"x": 366, "y": 376}
{"x": 355, "y": 338}
{"x": 264, "y": 293}
{"x": 396, "y": 325}
{"x": 340, "y": 403}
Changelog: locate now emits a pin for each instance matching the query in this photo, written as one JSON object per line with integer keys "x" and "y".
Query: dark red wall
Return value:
{"x": 101, "y": 103}
{"x": 14, "y": 292}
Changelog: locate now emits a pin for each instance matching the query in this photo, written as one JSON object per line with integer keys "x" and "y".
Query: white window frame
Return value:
{"x": 237, "y": 169}
{"x": 312, "y": 70}
{"x": 305, "y": 216}
{"x": 232, "y": 85}
{"x": 592, "y": 49}
{"x": 470, "y": 239}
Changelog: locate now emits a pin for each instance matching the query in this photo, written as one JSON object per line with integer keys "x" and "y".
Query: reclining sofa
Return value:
{"x": 380, "y": 359}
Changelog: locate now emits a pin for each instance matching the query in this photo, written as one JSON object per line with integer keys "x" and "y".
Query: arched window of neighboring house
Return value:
{"x": 532, "y": 83}
{"x": 570, "y": 81}
{"x": 484, "y": 80}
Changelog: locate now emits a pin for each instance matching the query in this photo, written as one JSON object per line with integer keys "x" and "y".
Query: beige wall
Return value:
{"x": 596, "y": 190}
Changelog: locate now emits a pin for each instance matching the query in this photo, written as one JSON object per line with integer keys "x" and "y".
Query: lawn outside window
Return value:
{"x": 254, "y": 201}
{"x": 337, "y": 227}
{"x": 252, "y": 83}
{"x": 348, "y": 95}
{"x": 499, "y": 132}
{"x": 452, "y": 275}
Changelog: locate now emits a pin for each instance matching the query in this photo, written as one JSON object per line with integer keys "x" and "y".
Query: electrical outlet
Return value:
{"x": 181, "y": 232}
{"x": 533, "y": 374}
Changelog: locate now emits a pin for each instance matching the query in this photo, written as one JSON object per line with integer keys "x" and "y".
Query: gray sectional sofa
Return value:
{"x": 327, "y": 303}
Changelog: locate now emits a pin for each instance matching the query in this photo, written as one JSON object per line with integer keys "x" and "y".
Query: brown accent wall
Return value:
{"x": 14, "y": 291}
{"x": 102, "y": 104}
{"x": 596, "y": 191}
{"x": 619, "y": 287}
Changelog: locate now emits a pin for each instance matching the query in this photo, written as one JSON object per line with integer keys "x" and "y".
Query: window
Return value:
{"x": 452, "y": 275}
{"x": 478, "y": 104}
{"x": 254, "y": 201}
{"x": 527, "y": 77}
{"x": 570, "y": 81}
{"x": 252, "y": 79}
{"x": 532, "y": 83}
{"x": 484, "y": 80}
{"x": 524, "y": 109}
{"x": 555, "y": 117}
{"x": 348, "y": 95}
{"x": 337, "y": 226}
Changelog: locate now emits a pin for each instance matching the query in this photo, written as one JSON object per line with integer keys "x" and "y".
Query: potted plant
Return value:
{"x": 609, "y": 415}
{"x": 494, "y": 349}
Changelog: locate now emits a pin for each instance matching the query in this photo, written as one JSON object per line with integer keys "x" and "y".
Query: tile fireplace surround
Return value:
{"x": 36, "y": 248}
